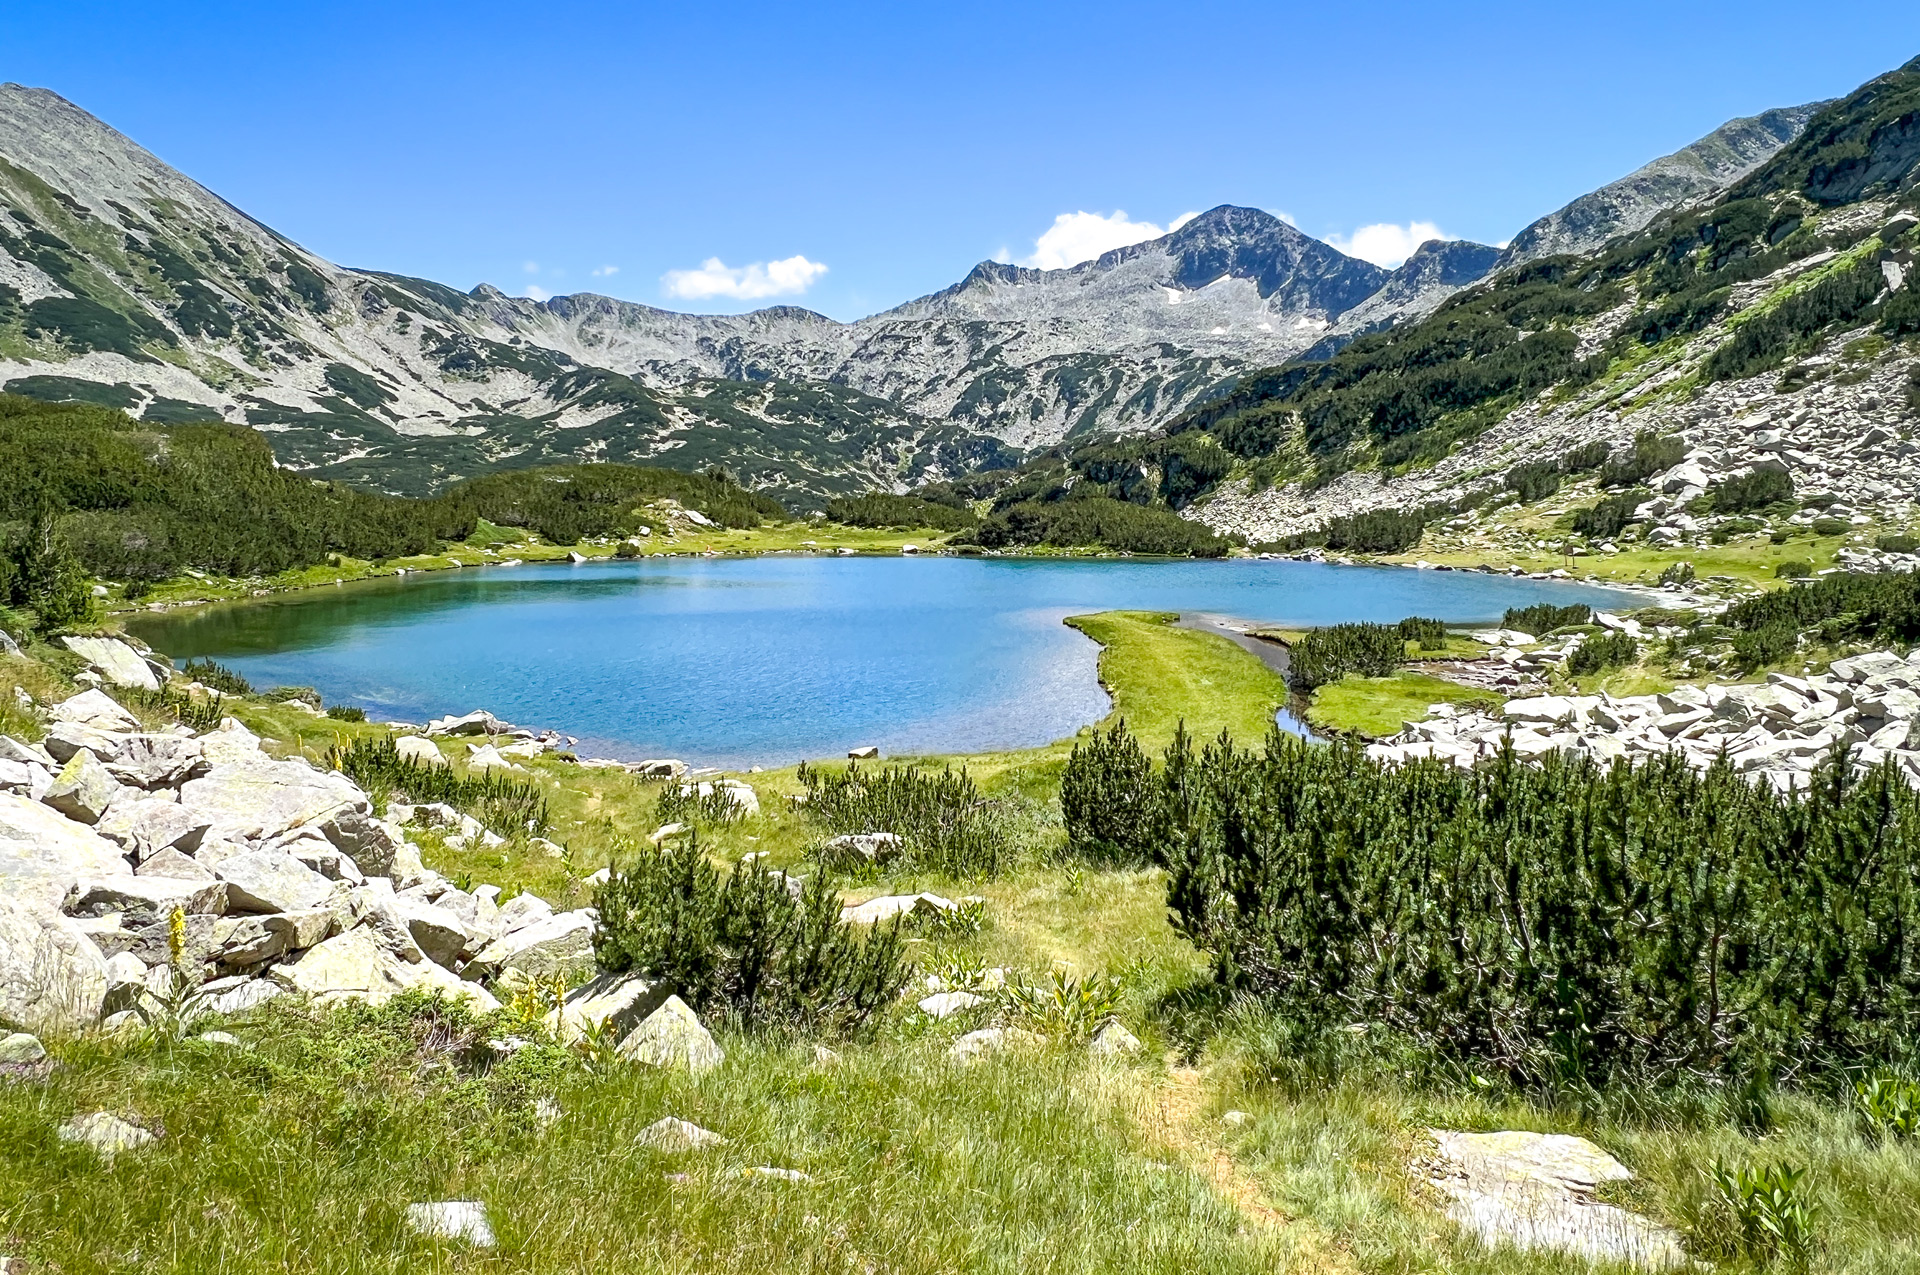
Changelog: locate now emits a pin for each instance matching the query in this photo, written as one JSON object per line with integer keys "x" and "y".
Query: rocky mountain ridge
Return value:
{"x": 123, "y": 282}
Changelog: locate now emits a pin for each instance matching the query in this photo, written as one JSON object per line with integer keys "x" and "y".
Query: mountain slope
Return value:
{"x": 124, "y": 282}
{"x": 1705, "y": 168}
{"x": 1777, "y": 327}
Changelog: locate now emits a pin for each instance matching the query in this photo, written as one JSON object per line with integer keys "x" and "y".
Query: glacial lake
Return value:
{"x": 763, "y": 661}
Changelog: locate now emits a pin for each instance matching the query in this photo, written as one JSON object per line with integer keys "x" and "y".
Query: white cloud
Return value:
{"x": 1386, "y": 244}
{"x": 531, "y": 267}
{"x": 1081, "y": 236}
{"x": 604, "y": 272}
{"x": 715, "y": 278}
{"x": 538, "y": 294}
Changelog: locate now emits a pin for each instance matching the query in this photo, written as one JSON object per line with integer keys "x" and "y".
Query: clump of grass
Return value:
{"x": 1772, "y": 1219}
{"x": 1064, "y": 1005}
{"x": 946, "y": 824}
{"x": 511, "y": 807}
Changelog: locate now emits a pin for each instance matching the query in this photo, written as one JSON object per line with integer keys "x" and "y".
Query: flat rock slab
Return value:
{"x": 1535, "y": 1191}
{"x": 106, "y": 1133}
{"x": 43, "y": 854}
{"x": 464, "y": 1220}
{"x": 672, "y": 1134}
{"x": 117, "y": 662}
{"x": 256, "y": 799}
{"x": 885, "y": 908}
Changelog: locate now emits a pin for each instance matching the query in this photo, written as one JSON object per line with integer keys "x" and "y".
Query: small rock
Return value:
{"x": 1114, "y": 1040}
{"x": 671, "y": 1134}
{"x": 991, "y": 1040}
{"x": 83, "y": 789}
{"x": 106, "y": 1133}
{"x": 672, "y": 1036}
{"x": 1235, "y": 1119}
{"x": 226, "y": 1039}
{"x": 946, "y": 1004}
{"x": 868, "y": 753}
{"x": 20, "y": 1047}
{"x": 420, "y": 751}
{"x": 778, "y": 1175}
{"x": 452, "y": 1220}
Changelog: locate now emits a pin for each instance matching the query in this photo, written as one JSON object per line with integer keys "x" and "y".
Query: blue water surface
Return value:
{"x": 736, "y": 662}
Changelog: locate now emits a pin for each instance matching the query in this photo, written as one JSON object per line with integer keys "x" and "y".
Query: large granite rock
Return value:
{"x": 272, "y": 881}
{"x": 1536, "y": 1191}
{"x": 116, "y": 661}
{"x": 96, "y": 709}
{"x": 560, "y": 945}
{"x": 621, "y": 1002}
{"x": 82, "y": 790}
{"x": 439, "y": 933}
{"x": 251, "y": 800}
{"x": 421, "y": 751}
{"x": 52, "y": 978}
{"x": 230, "y": 743}
{"x": 43, "y": 854}
{"x": 353, "y": 966}
{"x": 64, "y": 739}
{"x": 156, "y": 761}
{"x": 672, "y": 1037}
{"x": 142, "y": 900}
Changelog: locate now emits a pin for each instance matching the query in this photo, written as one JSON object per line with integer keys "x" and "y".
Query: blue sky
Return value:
{"x": 848, "y": 157}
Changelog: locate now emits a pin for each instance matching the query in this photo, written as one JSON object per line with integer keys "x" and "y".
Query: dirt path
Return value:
{"x": 1177, "y": 1115}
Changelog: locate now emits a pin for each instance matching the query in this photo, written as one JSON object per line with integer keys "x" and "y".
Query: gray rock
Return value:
{"x": 171, "y": 863}
{"x": 143, "y": 900}
{"x": 116, "y": 661}
{"x": 64, "y": 739}
{"x": 620, "y": 1001}
{"x": 415, "y": 749}
{"x": 52, "y": 977}
{"x": 258, "y": 799}
{"x": 478, "y": 722}
{"x": 779, "y": 1175}
{"x": 353, "y": 966}
{"x": 156, "y": 761}
{"x": 1112, "y": 1041}
{"x": 126, "y": 980}
{"x": 863, "y": 847}
{"x": 240, "y": 995}
{"x": 670, "y": 1134}
{"x": 672, "y": 1037}
{"x": 523, "y": 910}
{"x": 885, "y": 908}
{"x": 248, "y": 941}
{"x": 946, "y": 1004}
{"x": 43, "y": 854}
{"x": 107, "y": 1134}
{"x": 438, "y": 932}
{"x": 373, "y": 843}
{"x": 82, "y": 790}
{"x": 18, "y": 1048}
{"x": 230, "y": 743}
{"x": 301, "y": 930}
{"x": 1535, "y": 1191}
{"x": 463, "y": 1220}
{"x": 991, "y": 1040}
{"x": 96, "y": 709}
{"x": 561, "y": 945}
{"x": 272, "y": 881}
{"x": 12, "y": 749}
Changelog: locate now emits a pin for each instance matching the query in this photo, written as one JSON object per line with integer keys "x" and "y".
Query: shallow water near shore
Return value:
{"x": 763, "y": 661}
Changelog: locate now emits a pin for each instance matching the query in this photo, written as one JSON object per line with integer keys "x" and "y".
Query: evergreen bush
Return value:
{"x": 745, "y": 947}
{"x": 1560, "y": 921}
{"x": 1603, "y": 651}
{"x": 1107, "y": 798}
{"x": 1329, "y": 654}
{"x": 1543, "y": 617}
{"x": 946, "y": 825}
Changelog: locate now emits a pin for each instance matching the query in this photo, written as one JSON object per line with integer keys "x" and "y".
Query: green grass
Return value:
{"x": 1159, "y": 676}
{"x": 1380, "y": 706}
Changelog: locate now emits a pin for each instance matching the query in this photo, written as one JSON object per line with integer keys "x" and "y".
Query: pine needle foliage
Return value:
{"x": 1560, "y": 922}
{"x": 1107, "y": 797}
{"x": 1329, "y": 654}
{"x": 745, "y": 946}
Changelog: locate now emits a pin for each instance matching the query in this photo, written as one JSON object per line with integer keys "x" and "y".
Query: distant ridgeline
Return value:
{"x": 132, "y": 500}
{"x": 1407, "y": 396}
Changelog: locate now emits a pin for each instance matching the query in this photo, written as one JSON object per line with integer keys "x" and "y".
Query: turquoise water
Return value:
{"x": 768, "y": 660}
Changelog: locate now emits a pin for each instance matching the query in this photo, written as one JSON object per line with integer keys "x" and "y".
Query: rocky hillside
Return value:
{"x": 1771, "y": 329}
{"x": 125, "y": 283}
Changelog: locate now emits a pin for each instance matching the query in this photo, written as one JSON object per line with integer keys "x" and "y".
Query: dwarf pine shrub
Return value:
{"x": 744, "y": 946}
{"x": 1329, "y": 654}
{"x": 1560, "y": 921}
{"x": 506, "y": 805}
{"x": 1603, "y": 651}
{"x": 1108, "y": 798}
{"x": 1544, "y": 617}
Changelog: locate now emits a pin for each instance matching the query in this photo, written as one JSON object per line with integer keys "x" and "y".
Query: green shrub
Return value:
{"x": 744, "y": 947}
{"x": 1096, "y": 522}
{"x": 1831, "y": 526}
{"x": 300, "y": 694}
{"x": 1066, "y": 1006}
{"x": 1543, "y": 617}
{"x": 1608, "y": 650}
{"x": 1678, "y": 573}
{"x": 1535, "y": 480}
{"x": 1755, "y": 489}
{"x": 1608, "y": 517}
{"x": 1792, "y": 569}
{"x": 883, "y": 509}
{"x": 200, "y": 714}
{"x": 685, "y": 803}
{"x": 1329, "y": 654}
{"x": 344, "y": 713}
{"x": 944, "y": 822}
{"x": 1651, "y": 453}
{"x": 1772, "y": 1219}
{"x": 1107, "y": 798}
{"x": 1559, "y": 922}
{"x": 1890, "y": 1104}
{"x": 1428, "y": 635}
{"x": 1901, "y": 543}
{"x": 217, "y": 676}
